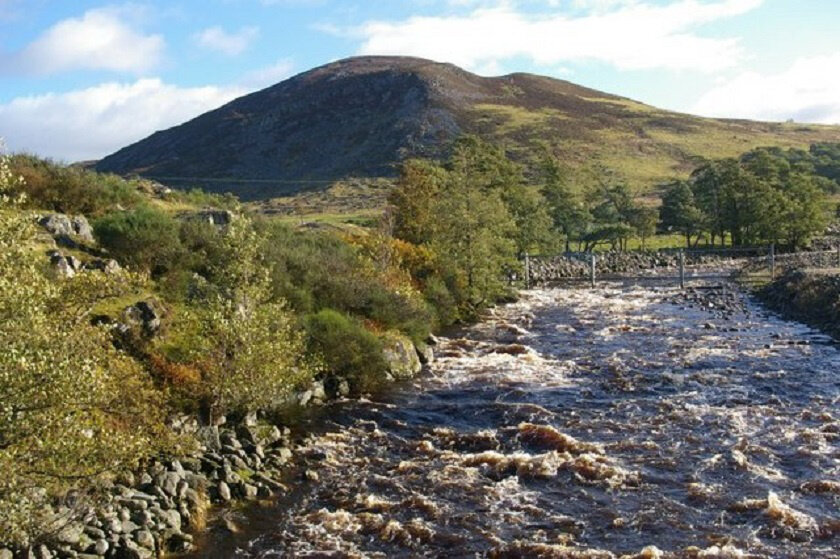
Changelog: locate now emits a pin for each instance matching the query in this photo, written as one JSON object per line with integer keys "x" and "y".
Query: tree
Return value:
{"x": 804, "y": 212}
{"x": 612, "y": 210}
{"x": 644, "y": 220}
{"x": 244, "y": 342}
{"x": 680, "y": 213}
{"x": 479, "y": 215}
{"x": 768, "y": 196}
{"x": 474, "y": 239}
{"x": 415, "y": 197}
{"x": 73, "y": 408}
{"x": 566, "y": 208}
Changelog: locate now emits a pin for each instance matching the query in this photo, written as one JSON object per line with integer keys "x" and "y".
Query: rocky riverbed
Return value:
{"x": 616, "y": 422}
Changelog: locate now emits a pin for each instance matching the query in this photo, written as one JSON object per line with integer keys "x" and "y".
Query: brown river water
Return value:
{"x": 577, "y": 423}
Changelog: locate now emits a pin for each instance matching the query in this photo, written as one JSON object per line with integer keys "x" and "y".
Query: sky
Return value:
{"x": 80, "y": 79}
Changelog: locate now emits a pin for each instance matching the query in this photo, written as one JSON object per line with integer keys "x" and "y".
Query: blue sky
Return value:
{"x": 82, "y": 78}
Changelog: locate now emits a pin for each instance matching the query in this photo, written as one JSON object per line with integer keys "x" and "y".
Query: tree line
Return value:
{"x": 767, "y": 196}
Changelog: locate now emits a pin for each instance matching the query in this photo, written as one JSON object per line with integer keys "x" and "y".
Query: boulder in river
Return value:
{"x": 400, "y": 356}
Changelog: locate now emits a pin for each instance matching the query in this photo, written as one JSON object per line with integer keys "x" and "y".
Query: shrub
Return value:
{"x": 347, "y": 348}
{"x": 144, "y": 237}
{"x": 317, "y": 271}
{"x": 441, "y": 300}
{"x": 249, "y": 354}
{"x": 244, "y": 342}
{"x": 72, "y": 190}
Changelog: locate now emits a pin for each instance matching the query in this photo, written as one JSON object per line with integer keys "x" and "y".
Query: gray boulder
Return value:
{"x": 101, "y": 547}
{"x": 400, "y": 355}
{"x": 209, "y": 437}
{"x": 219, "y": 218}
{"x": 105, "y": 265}
{"x": 82, "y": 228}
{"x": 145, "y": 539}
{"x": 62, "y": 265}
{"x": 70, "y": 534}
{"x": 425, "y": 353}
{"x": 61, "y": 225}
{"x": 224, "y": 491}
{"x": 144, "y": 316}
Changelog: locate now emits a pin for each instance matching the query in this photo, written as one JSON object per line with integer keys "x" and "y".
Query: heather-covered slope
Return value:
{"x": 359, "y": 117}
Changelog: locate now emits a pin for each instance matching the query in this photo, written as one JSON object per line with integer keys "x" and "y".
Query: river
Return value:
{"x": 579, "y": 423}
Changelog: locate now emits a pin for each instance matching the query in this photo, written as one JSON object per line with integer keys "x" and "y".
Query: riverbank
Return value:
{"x": 809, "y": 297}
{"x": 163, "y": 507}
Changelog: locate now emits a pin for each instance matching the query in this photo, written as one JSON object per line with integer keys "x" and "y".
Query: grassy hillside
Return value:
{"x": 643, "y": 144}
{"x": 359, "y": 118}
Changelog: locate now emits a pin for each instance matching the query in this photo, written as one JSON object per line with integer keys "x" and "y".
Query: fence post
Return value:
{"x": 772, "y": 257}
{"x": 592, "y": 269}
{"x": 682, "y": 269}
{"x": 527, "y": 271}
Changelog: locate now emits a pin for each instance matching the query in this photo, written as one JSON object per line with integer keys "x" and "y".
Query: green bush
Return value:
{"x": 203, "y": 245}
{"x": 143, "y": 237}
{"x": 70, "y": 189}
{"x": 347, "y": 349}
{"x": 440, "y": 299}
{"x": 315, "y": 271}
{"x": 235, "y": 346}
{"x": 198, "y": 197}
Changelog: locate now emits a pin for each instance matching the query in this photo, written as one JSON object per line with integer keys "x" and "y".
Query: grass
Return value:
{"x": 645, "y": 145}
{"x": 357, "y": 202}
{"x": 509, "y": 118}
{"x": 113, "y": 306}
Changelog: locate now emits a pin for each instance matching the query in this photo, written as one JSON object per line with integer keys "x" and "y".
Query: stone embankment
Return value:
{"x": 155, "y": 511}
{"x": 151, "y": 513}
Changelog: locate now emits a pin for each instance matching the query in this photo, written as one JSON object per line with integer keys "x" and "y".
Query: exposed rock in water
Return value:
{"x": 400, "y": 356}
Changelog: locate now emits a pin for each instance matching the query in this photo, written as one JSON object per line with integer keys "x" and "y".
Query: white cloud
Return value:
{"x": 270, "y": 75}
{"x": 625, "y": 34}
{"x": 93, "y": 122}
{"x": 231, "y": 44}
{"x": 101, "y": 38}
{"x": 808, "y": 91}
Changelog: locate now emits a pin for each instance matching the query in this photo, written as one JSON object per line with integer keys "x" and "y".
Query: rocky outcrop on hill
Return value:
{"x": 68, "y": 228}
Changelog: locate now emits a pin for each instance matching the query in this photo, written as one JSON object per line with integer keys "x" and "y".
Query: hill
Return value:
{"x": 360, "y": 116}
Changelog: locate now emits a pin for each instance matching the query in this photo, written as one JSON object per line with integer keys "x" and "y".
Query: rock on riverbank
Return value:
{"x": 808, "y": 297}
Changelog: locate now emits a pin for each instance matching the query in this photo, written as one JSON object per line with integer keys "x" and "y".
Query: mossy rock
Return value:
{"x": 400, "y": 356}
